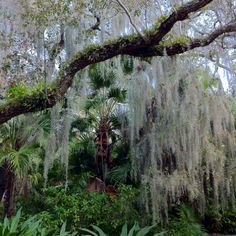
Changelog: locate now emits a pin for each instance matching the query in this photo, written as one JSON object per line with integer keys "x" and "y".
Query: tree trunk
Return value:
{"x": 8, "y": 197}
{"x": 103, "y": 155}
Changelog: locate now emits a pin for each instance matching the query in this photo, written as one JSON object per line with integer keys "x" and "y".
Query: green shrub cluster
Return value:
{"x": 82, "y": 209}
{"x": 220, "y": 221}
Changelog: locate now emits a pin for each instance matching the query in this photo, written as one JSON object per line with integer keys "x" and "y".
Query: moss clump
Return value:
{"x": 178, "y": 40}
{"x": 21, "y": 90}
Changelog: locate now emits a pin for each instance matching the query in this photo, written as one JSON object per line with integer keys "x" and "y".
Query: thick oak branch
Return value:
{"x": 127, "y": 45}
{"x": 178, "y": 48}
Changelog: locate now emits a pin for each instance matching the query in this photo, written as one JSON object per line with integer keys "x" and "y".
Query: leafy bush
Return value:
{"x": 229, "y": 221}
{"x": 213, "y": 220}
{"x": 185, "y": 224}
{"x": 80, "y": 210}
{"x": 220, "y": 221}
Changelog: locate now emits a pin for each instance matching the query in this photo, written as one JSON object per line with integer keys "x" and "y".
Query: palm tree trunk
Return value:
{"x": 2, "y": 181}
{"x": 103, "y": 155}
{"x": 9, "y": 193}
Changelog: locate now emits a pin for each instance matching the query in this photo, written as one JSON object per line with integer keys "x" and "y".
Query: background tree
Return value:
{"x": 21, "y": 155}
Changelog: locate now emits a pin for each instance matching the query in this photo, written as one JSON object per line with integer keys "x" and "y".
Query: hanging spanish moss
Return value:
{"x": 57, "y": 146}
{"x": 51, "y": 144}
{"x": 183, "y": 137}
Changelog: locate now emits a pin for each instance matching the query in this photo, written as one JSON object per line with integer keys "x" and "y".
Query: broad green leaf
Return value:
{"x": 124, "y": 230}
{"x": 101, "y": 233}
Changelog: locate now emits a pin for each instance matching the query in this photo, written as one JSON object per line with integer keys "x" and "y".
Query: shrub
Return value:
{"x": 80, "y": 210}
{"x": 185, "y": 224}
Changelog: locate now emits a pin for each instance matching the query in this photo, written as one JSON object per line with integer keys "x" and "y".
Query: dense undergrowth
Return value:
{"x": 54, "y": 211}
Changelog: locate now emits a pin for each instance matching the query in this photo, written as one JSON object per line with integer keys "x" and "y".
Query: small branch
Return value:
{"x": 217, "y": 62}
{"x": 57, "y": 48}
{"x": 96, "y": 25}
{"x": 130, "y": 18}
{"x": 182, "y": 13}
{"x": 178, "y": 48}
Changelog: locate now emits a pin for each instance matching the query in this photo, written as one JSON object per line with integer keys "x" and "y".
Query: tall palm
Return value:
{"x": 19, "y": 156}
{"x": 101, "y": 110}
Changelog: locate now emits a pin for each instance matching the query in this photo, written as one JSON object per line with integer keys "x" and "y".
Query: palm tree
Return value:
{"x": 20, "y": 156}
{"x": 101, "y": 113}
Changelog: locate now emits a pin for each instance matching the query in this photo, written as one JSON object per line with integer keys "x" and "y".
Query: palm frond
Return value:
{"x": 128, "y": 64}
{"x": 114, "y": 121}
{"x": 120, "y": 173}
{"x": 100, "y": 78}
{"x": 94, "y": 103}
{"x": 117, "y": 94}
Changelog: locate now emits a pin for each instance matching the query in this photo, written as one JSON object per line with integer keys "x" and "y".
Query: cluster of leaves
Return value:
{"x": 29, "y": 227}
{"x": 33, "y": 227}
{"x": 134, "y": 231}
{"x": 21, "y": 90}
{"x": 220, "y": 221}
{"x": 185, "y": 224}
{"x": 80, "y": 209}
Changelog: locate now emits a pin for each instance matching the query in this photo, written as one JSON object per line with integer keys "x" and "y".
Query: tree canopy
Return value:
{"x": 36, "y": 37}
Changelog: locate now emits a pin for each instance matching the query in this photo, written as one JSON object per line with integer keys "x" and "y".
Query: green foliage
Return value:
{"x": 109, "y": 214}
{"x": 213, "y": 220}
{"x": 83, "y": 209}
{"x": 154, "y": 28}
{"x": 120, "y": 174}
{"x": 22, "y": 90}
{"x": 58, "y": 207}
{"x": 117, "y": 94}
{"x": 80, "y": 124}
{"x": 134, "y": 231}
{"x": 95, "y": 103}
{"x": 209, "y": 83}
{"x": 99, "y": 78}
{"x": 29, "y": 227}
{"x": 229, "y": 221}
{"x": 169, "y": 40}
{"x": 22, "y": 160}
{"x": 21, "y": 144}
{"x": 128, "y": 64}
{"x": 185, "y": 224}
{"x": 220, "y": 221}
{"x": 82, "y": 155}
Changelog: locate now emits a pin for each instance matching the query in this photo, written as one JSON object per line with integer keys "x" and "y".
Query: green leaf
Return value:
{"x": 15, "y": 221}
{"x": 89, "y": 231}
{"x": 145, "y": 230}
{"x": 101, "y": 233}
{"x": 124, "y": 230}
{"x": 133, "y": 229}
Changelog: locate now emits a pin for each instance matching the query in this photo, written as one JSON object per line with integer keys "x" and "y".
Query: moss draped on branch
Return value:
{"x": 135, "y": 45}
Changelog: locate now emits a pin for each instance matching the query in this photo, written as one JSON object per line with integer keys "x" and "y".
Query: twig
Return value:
{"x": 130, "y": 18}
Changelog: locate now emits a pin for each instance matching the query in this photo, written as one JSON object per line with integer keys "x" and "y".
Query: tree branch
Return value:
{"x": 130, "y": 18}
{"x": 178, "y": 48}
{"x": 126, "y": 45}
{"x": 57, "y": 48}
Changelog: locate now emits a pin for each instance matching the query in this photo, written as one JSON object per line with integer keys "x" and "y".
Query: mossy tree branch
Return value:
{"x": 133, "y": 45}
